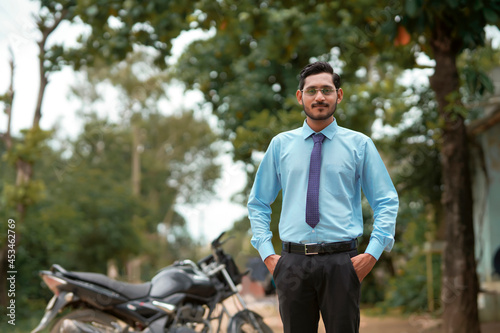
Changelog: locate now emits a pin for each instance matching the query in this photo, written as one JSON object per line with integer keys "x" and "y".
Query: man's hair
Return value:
{"x": 318, "y": 68}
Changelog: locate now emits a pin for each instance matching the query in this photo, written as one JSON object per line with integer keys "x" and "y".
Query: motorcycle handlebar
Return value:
{"x": 216, "y": 242}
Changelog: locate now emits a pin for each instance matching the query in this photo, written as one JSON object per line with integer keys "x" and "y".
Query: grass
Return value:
{"x": 23, "y": 325}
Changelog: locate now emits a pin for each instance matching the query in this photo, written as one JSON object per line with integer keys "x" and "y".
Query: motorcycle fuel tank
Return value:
{"x": 172, "y": 280}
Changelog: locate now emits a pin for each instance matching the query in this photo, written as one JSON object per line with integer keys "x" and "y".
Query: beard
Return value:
{"x": 321, "y": 116}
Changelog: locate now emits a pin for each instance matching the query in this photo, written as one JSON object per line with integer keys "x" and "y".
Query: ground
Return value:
{"x": 267, "y": 307}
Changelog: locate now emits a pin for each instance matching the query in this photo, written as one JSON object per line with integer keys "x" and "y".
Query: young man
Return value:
{"x": 321, "y": 169}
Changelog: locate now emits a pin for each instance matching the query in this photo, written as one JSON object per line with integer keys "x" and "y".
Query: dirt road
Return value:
{"x": 369, "y": 324}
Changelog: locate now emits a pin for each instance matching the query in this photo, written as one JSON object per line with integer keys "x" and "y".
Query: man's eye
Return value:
{"x": 311, "y": 91}
{"x": 327, "y": 91}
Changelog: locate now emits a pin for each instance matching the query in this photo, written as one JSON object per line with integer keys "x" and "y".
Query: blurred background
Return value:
{"x": 131, "y": 132}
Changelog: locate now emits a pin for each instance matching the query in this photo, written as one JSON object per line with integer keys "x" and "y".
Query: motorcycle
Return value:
{"x": 184, "y": 297}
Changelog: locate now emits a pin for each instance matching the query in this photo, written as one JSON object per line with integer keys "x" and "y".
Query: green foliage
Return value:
{"x": 27, "y": 194}
{"x": 408, "y": 290}
{"x": 477, "y": 81}
{"x": 415, "y": 147}
{"x": 29, "y": 147}
{"x": 414, "y": 156}
{"x": 253, "y": 136}
{"x": 180, "y": 149}
{"x": 117, "y": 26}
{"x": 467, "y": 18}
{"x": 7, "y": 174}
{"x": 89, "y": 215}
{"x": 475, "y": 66}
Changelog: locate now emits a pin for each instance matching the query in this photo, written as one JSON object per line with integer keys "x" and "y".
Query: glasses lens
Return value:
{"x": 324, "y": 91}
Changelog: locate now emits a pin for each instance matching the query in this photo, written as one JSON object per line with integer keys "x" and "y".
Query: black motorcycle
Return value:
{"x": 182, "y": 298}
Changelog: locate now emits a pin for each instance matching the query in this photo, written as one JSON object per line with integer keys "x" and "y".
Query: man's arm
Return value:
{"x": 383, "y": 198}
{"x": 265, "y": 188}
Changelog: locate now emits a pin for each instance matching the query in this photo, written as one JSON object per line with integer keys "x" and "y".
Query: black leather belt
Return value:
{"x": 319, "y": 248}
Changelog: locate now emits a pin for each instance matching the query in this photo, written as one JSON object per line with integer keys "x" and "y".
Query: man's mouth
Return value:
{"x": 320, "y": 105}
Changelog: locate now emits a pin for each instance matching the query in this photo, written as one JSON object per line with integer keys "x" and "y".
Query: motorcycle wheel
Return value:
{"x": 243, "y": 324}
{"x": 88, "y": 321}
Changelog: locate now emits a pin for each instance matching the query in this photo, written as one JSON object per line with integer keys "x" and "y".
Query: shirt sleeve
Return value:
{"x": 265, "y": 189}
{"x": 383, "y": 198}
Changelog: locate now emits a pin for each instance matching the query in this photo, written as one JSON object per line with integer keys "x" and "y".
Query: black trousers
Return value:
{"x": 308, "y": 285}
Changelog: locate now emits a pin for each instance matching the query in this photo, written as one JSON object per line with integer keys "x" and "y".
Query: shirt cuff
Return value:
{"x": 266, "y": 250}
{"x": 374, "y": 248}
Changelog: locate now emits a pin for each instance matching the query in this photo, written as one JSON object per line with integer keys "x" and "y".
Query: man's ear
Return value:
{"x": 298, "y": 94}
{"x": 340, "y": 95}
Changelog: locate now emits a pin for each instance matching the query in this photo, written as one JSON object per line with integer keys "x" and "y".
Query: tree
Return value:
{"x": 23, "y": 154}
{"x": 173, "y": 158}
{"x": 119, "y": 26}
{"x": 88, "y": 213}
{"x": 448, "y": 29}
{"x": 414, "y": 157}
{"x": 111, "y": 45}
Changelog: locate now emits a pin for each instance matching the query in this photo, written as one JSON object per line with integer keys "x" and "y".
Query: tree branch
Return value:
{"x": 7, "y": 138}
{"x": 46, "y": 31}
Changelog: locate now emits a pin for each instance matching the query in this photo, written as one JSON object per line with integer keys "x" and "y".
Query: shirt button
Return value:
{"x": 313, "y": 230}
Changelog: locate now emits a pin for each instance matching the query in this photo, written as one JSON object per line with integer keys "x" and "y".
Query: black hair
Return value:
{"x": 318, "y": 68}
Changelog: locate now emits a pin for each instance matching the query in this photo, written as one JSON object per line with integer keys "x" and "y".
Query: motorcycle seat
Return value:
{"x": 129, "y": 290}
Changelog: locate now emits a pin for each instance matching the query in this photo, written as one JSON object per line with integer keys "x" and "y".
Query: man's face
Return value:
{"x": 319, "y": 107}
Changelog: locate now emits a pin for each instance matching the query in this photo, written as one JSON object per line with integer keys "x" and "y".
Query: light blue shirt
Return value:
{"x": 350, "y": 162}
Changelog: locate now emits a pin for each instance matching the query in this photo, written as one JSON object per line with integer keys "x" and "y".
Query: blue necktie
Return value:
{"x": 312, "y": 206}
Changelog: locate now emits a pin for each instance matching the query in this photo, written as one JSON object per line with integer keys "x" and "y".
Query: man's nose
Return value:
{"x": 319, "y": 96}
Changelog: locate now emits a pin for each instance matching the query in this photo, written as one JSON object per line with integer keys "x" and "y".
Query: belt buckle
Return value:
{"x": 306, "y": 252}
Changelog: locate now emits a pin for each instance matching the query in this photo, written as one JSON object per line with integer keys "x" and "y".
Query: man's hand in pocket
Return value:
{"x": 363, "y": 264}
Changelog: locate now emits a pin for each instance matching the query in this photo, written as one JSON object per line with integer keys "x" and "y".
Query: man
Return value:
{"x": 321, "y": 169}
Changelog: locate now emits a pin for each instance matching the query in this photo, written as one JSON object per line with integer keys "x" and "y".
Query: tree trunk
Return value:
{"x": 7, "y": 138}
{"x": 136, "y": 161}
{"x": 460, "y": 283}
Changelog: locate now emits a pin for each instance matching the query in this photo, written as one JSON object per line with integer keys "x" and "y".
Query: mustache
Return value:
{"x": 320, "y": 104}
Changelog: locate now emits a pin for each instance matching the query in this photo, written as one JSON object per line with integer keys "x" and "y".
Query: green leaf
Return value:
{"x": 453, "y": 3}
{"x": 92, "y": 10}
{"x": 490, "y": 16}
{"x": 477, "y": 6}
{"x": 486, "y": 82}
{"x": 411, "y": 8}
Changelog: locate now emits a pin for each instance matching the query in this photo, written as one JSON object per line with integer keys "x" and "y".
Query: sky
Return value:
{"x": 18, "y": 32}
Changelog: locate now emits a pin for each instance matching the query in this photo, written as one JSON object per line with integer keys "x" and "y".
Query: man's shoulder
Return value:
{"x": 289, "y": 135}
{"x": 352, "y": 135}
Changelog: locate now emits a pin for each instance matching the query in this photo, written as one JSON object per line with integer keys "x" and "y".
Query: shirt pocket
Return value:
{"x": 340, "y": 180}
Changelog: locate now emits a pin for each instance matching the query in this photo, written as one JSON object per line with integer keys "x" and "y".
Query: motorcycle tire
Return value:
{"x": 241, "y": 323}
{"x": 88, "y": 321}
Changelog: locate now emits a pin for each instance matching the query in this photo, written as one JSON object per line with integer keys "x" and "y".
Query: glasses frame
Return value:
{"x": 303, "y": 91}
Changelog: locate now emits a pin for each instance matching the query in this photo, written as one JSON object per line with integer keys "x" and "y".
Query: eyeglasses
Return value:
{"x": 314, "y": 91}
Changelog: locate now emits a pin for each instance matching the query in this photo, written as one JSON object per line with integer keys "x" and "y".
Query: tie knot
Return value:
{"x": 318, "y": 137}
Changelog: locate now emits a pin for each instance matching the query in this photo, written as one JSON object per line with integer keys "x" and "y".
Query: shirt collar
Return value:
{"x": 329, "y": 131}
